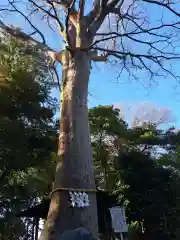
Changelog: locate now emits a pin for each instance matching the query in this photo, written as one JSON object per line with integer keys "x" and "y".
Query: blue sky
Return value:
{"x": 105, "y": 89}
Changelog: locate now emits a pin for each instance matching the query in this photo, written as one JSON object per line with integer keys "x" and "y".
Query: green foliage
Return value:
{"x": 150, "y": 193}
{"x": 107, "y": 120}
{"x": 126, "y": 161}
{"x": 142, "y": 167}
{"x": 11, "y": 228}
{"x": 159, "y": 201}
{"x": 27, "y": 133}
{"x": 26, "y": 111}
{"x": 105, "y": 124}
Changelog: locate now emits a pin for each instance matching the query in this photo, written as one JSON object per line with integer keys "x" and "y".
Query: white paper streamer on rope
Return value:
{"x": 79, "y": 199}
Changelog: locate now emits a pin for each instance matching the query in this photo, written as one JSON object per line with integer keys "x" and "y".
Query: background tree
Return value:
{"x": 81, "y": 30}
{"x": 150, "y": 114}
{"x": 138, "y": 175}
{"x": 105, "y": 125}
{"x": 27, "y": 134}
{"x": 127, "y": 165}
{"x": 147, "y": 195}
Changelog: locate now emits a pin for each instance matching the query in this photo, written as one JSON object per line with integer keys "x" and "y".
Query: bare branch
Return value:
{"x": 30, "y": 23}
{"x": 95, "y": 10}
{"x": 99, "y": 16}
{"x": 53, "y": 71}
{"x": 125, "y": 57}
{"x": 49, "y": 14}
{"x": 121, "y": 54}
{"x": 94, "y": 56}
{"x": 165, "y": 5}
{"x": 129, "y": 38}
{"x": 81, "y": 9}
{"x": 140, "y": 30}
{"x": 62, "y": 3}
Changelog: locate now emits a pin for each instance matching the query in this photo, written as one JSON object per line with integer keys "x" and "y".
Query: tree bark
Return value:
{"x": 74, "y": 168}
{"x": 36, "y": 228}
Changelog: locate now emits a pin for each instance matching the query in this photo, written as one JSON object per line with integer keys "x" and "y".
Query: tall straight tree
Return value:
{"x": 132, "y": 38}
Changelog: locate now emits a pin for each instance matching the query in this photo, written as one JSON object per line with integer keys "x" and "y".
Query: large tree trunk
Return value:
{"x": 74, "y": 167}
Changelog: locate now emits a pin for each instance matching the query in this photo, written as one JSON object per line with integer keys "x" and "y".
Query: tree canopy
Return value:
{"x": 122, "y": 32}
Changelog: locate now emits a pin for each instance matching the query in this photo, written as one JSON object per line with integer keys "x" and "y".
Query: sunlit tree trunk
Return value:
{"x": 74, "y": 168}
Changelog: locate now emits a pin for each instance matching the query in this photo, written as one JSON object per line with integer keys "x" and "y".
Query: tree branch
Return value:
{"x": 122, "y": 54}
{"x": 93, "y": 13}
{"x": 62, "y": 3}
{"x": 100, "y": 15}
{"x": 140, "y": 30}
{"x": 165, "y": 5}
{"x": 81, "y": 9}
{"x": 157, "y": 59}
{"x": 133, "y": 30}
{"x": 53, "y": 16}
{"x": 30, "y": 23}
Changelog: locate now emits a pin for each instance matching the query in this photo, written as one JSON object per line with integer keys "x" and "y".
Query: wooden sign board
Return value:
{"x": 118, "y": 219}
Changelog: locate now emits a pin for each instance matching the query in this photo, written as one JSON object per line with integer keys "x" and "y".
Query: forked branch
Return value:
{"x": 48, "y": 13}
{"x": 98, "y": 14}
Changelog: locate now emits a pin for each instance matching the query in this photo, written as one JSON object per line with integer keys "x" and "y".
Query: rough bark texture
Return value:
{"x": 74, "y": 168}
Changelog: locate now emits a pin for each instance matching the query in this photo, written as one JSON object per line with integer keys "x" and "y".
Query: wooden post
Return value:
{"x": 36, "y": 228}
